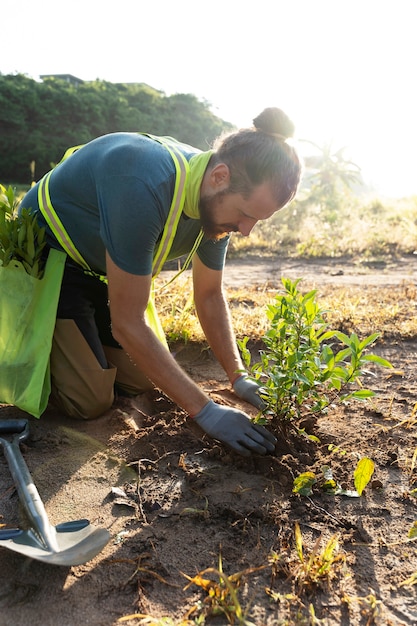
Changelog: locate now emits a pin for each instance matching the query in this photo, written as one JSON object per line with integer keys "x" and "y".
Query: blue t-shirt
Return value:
{"x": 115, "y": 194}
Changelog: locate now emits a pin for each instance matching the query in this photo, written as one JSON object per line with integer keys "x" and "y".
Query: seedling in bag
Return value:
{"x": 21, "y": 237}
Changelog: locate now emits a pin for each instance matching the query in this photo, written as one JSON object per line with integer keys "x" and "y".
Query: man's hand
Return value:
{"x": 235, "y": 429}
{"x": 248, "y": 390}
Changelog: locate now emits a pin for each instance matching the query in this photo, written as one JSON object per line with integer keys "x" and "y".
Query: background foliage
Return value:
{"x": 334, "y": 213}
{"x": 40, "y": 120}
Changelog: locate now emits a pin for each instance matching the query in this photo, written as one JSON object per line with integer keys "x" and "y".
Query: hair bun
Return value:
{"x": 274, "y": 121}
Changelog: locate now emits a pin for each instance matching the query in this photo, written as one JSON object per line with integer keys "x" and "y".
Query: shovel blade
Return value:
{"x": 74, "y": 547}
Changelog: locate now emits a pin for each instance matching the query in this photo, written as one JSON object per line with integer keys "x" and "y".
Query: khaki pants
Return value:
{"x": 80, "y": 386}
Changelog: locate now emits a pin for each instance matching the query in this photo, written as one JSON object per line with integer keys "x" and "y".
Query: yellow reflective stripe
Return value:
{"x": 192, "y": 251}
{"x": 181, "y": 171}
{"x": 186, "y": 263}
{"x": 70, "y": 151}
{"x": 55, "y": 223}
{"x": 168, "y": 235}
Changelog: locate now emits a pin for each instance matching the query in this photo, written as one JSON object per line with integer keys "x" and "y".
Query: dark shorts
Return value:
{"x": 84, "y": 298}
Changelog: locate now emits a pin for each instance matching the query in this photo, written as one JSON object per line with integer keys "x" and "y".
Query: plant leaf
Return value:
{"x": 362, "y": 394}
{"x": 363, "y": 473}
{"x": 410, "y": 581}
{"x": 412, "y": 533}
{"x": 303, "y": 483}
{"x": 299, "y": 542}
{"x": 368, "y": 340}
{"x": 377, "y": 359}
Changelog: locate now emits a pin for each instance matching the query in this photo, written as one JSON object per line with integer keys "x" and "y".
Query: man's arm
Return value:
{"x": 214, "y": 315}
{"x": 128, "y": 298}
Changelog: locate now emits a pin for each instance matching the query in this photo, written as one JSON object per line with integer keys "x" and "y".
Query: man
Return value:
{"x": 110, "y": 206}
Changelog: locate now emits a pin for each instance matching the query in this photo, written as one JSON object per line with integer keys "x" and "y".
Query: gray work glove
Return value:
{"x": 235, "y": 429}
{"x": 247, "y": 389}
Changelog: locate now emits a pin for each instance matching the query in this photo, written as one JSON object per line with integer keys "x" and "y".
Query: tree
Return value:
{"x": 40, "y": 120}
{"x": 329, "y": 177}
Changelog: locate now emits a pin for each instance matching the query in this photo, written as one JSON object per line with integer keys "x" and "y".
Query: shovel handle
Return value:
{"x": 28, "y": 494}
{"x": 19, "y": 427}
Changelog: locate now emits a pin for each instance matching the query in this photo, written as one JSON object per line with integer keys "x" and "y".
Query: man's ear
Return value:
{"x": 220, "y": 177}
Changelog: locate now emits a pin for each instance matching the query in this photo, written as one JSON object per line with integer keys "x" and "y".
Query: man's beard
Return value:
{"x": 209, "y": 206}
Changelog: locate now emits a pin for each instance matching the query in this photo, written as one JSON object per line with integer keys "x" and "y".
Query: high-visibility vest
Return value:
{"x": 62, "y": 236}
{"x": 181, "y": 167}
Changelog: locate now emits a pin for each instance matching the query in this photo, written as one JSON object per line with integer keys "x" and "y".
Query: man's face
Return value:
{"x": 223, "y": 212}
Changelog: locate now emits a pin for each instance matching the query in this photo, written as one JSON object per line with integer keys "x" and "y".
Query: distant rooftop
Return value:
{"x": 68, "y": 78}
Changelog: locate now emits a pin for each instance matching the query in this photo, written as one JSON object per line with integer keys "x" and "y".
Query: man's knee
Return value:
{"x": 128, "y": 377}
{"x": 80, "y": 386}
{"x": 78, "y": 407}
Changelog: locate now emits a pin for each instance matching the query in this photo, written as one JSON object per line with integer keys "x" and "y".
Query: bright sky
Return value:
{"x": 344, "y": 70}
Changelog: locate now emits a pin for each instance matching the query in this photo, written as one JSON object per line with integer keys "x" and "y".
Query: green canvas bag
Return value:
{"x": 28, "y": 309}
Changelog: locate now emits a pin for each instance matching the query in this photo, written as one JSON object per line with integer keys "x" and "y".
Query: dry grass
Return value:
{"x": 364, "y": 225}
{"x": 391, "y": 311}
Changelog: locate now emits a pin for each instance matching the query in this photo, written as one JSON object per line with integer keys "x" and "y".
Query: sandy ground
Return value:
{"x": 186, "y": 501}
{"x": 339, "y": 271}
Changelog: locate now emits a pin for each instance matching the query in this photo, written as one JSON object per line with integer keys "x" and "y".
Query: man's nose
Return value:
{"x": 246, "y": 225}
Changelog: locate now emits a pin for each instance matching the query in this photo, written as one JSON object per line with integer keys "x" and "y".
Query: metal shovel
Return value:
{"x": 70, "y": 543}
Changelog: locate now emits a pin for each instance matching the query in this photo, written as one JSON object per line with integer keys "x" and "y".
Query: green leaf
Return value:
{"x": 329, "y": 485}
{"x": 244, "y": 351}
{"x": 362, "y": 394}
{"x": 412, "y": 533}
{"x": 303, "y": 483}
{"x": 302, "y": 431}
{"x": 368, "y": 340}
{"x": 377, "y": 359}
{"x": 342, "y": 354}
{"x": 340, "y": 373}
{"x": 327, "y": 335}
{"x": 354, "y": 342}
{"x": 342, "y": 337}
{"x": 363, "y": 473}
{"x": 309, "y": 296}
{"x": 299, "y": 542}
{"x": 327, "y": 356}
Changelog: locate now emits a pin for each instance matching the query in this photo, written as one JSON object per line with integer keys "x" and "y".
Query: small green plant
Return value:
{"x": 310, "y": 569}
{"x": 21, "y": 238}
{"x": 222, "y": 596}
{"x": 371, "y": 607}
{"x": 411, "y": 536}
{"x": 305, "y": 366}
{"x": 304, "y": 482}
{"x": 319, "y": 565}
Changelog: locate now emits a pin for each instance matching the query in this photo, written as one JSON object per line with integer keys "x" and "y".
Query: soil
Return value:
{"x": 185, "y": 503}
